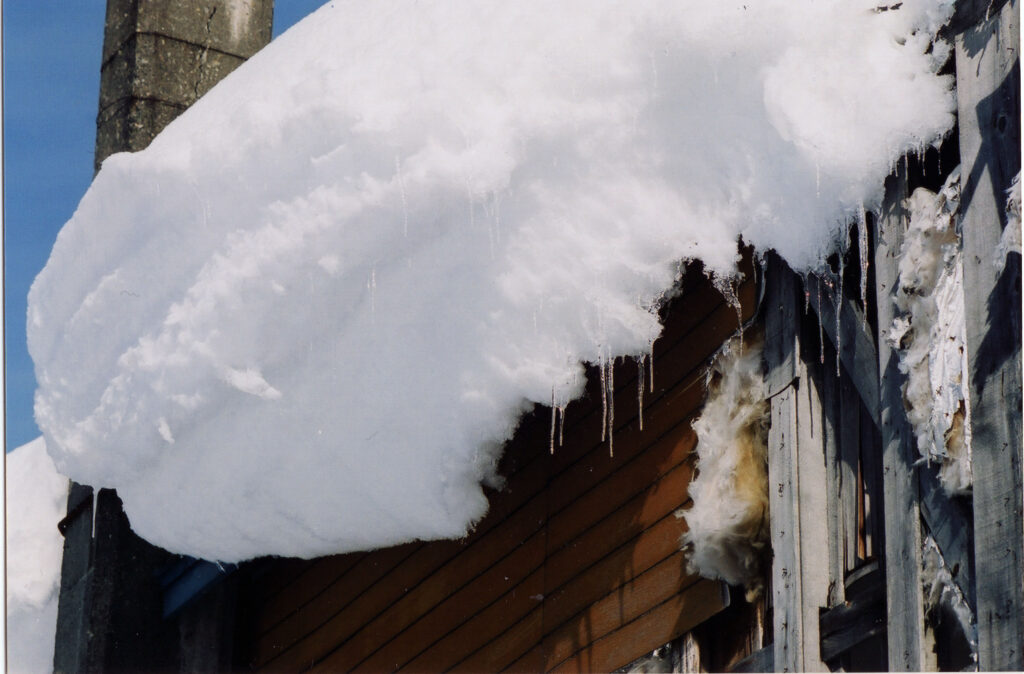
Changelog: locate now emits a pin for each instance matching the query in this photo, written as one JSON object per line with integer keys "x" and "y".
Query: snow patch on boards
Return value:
{"x": 728, "y": 521}
{"x": 340, "y": 277}
{"x": 36, "y": 501}
{"x": 930, "y": 335}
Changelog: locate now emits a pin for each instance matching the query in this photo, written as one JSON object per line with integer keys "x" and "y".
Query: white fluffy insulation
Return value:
{"x": 1010, "y": 241}
{"x": 728, "y": 521}
{"x": 930, "y": 335}
{"x": 306, "y": 318}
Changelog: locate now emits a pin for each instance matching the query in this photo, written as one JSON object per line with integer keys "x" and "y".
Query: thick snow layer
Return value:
{"x": 931, "y": 333}
{"x": 306, "y": 318}
{"x": 36, "y": 499}
{"x": 728, "y": 522}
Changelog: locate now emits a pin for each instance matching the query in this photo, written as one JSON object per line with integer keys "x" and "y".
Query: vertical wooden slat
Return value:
{"x": 795, "y": 453}
{"x": 849, "y": 447}
{"x": 904, "y": 601}
{"x": 988, "y": 93}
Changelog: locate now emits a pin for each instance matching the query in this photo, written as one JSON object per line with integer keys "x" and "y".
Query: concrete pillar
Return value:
{"x": 159, "y": 57}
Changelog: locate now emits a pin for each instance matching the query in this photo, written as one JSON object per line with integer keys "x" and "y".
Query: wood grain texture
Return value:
{"x": 988, "y": 97}
{"x": 904, "y": 602}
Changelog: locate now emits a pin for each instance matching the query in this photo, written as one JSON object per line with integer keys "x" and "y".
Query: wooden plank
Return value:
{"x": 645, "y": 591}
{"x": 456, "y": 609}
{"x": 814, "y": 578}
{"x": 857, "y": 352}
{"x": 660, "y": 625}
{"x": 507, "y": 651}
{"x": 312, "y": 581}
{"x": 482, "y": 629}
{"x": 861, "y": 617}
{"x": 988, "y": 96}
{"x": 849, "y": 464}
{"x": 834, "y": 510}
{"x": 610, "y": 571}
{"x": 424, "y": 597}
{"x": 284, "y": 637}
{"x": 904, "y": 602}
{"x": 781, "y": 317}
{"x": 795, "y": 456}
{"x": 761, "y": 660}
{"x": 636, "y": 477}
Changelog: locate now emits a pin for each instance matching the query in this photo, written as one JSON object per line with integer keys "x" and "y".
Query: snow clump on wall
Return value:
{"x": 307, "y": 317}
{"x": 728, "y": 522}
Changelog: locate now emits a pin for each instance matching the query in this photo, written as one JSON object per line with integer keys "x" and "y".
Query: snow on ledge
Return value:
{"x": 307, "y": 317}
{"x": 36, "y": 500}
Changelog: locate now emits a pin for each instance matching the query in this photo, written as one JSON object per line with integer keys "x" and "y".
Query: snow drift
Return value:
{"x": 306, "y": 318}
{"x": 36, "y": 500}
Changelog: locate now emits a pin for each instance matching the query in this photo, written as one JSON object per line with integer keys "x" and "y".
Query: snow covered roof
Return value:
{"x": 306, "y": 318}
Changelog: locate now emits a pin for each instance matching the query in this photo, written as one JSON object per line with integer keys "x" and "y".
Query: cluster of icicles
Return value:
{"x": 726, "y": 286}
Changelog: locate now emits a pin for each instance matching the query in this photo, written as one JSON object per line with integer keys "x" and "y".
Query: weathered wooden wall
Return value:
{"x": 577, "y": 566}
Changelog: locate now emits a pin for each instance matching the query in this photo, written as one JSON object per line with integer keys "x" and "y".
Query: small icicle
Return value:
{"x": 554, "y": 419}
{"x": 839, "y": 312}
{"x": 650, "y": 360}
{"x": 604, "y": 400}
{"x": 817, "y": 180}
{"x": 95, "y": 505}
{"x": 807, "y": 292}
{"x": 611, "y": 408}
{"x": 862, "y": 245}
{"x": 821, "y": 331}
{"x": 561, "y": 424}
{"x": 640, "y": 390}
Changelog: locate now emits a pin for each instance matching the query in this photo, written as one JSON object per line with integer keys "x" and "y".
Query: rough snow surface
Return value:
{"x": 36, "y": 500}
{"x": 306, "y": 318}
{"x": 728, "y": 522}
{"x": 930, "y": 335}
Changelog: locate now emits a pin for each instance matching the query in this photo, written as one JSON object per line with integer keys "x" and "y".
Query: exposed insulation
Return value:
{"x": 1010, "y": 240}
{"x": 728, "y": 522}
{"x": 943, "y": 596}
{"x": 930, "y": 335}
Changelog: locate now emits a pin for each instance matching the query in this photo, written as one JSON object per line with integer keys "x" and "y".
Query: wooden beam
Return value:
{"x": 800, "y": 573}
{"x": 904, "y": 601}
{"x": 988, "y": 96}
{"x": 857, "y": 352}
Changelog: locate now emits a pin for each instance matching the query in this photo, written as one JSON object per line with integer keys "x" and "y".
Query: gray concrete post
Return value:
{"x": 159, "y": 57}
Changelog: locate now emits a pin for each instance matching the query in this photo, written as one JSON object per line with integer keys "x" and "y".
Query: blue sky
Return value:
{"x": 51, "y": 83}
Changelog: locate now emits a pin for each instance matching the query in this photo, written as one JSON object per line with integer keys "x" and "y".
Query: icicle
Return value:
{"x": 640, "y": 389}
{"x": 817, "y": 180}
{"x": 862, "y": 245}
{"x": 807, "y": 292}
{"x": 611, "y": 408}
{"x": 650, "y": 359}
{"x": 821, "y": 332}
{"x": 554, "y": 419}
{"x": 604, "y": 400}
{"x": 839, "y": 311}
{"x": 95, "y": 504}
{"x": 561, "y": 424}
